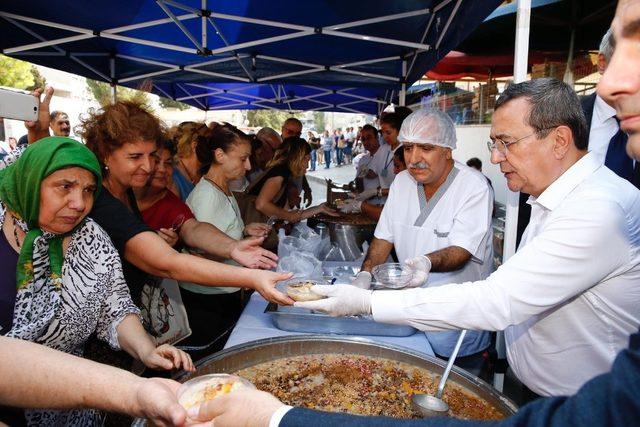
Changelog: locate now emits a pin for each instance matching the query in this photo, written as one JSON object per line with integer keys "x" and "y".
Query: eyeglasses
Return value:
{"x": 501, "y": 146}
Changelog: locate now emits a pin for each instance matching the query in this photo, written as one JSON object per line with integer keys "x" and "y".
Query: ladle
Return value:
{"x": 434, "y": 406}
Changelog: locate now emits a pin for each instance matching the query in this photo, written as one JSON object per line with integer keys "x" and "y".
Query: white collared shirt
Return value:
{"x": 568, "y": 299}
{"x": 459, "y": 214}
{"x": 603, "y": 127}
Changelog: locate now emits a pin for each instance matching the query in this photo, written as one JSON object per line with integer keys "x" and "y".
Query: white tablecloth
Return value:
{"x": 255, "y": 324}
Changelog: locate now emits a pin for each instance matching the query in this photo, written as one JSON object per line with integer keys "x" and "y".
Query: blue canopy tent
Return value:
{"x": 314, "y": 55}
{"x": 225, "y": 96}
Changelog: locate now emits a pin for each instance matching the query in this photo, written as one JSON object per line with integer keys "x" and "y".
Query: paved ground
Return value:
{"x": 340, "y": 174}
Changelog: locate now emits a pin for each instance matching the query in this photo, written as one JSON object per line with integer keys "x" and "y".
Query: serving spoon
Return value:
{"x": 434, "y": 406}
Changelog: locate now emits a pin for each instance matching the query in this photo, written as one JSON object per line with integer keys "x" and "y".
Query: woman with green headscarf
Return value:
{"x": 61, "y": 276}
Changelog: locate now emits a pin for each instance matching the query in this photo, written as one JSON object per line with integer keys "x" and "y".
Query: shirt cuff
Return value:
{"x": 388, "y": 306}
{"x": 278, "y": 415}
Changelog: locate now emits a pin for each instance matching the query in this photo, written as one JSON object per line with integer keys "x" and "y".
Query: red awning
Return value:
{"x": 457, "y": 65}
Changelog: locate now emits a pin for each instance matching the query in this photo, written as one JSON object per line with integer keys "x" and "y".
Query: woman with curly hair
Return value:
{"x": 186, "y": 172}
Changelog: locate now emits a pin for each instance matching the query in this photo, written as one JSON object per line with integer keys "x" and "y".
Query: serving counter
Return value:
{"x": 255, "y": 324}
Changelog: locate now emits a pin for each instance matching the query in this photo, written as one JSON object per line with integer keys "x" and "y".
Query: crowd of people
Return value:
{"x": 86, "y": 227}
{"x": 338, "y": 147}
{"x": 92, "y": 230}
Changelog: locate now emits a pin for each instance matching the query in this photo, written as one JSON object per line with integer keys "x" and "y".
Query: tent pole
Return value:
{"x": 568, "y": 72}
{"x": 403, "y": 90}
{"x": 521, "y": 56}
{"x": 203, "y": 35}
{"x": 112, "y": 69}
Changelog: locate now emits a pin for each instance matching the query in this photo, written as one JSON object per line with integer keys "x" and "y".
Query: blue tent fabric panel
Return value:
{"x": 305, "y": 54}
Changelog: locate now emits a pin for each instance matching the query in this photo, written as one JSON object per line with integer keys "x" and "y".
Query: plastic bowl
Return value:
{"x": 207, "y": 387}
{"x": 392, "y": 275}
{"x": 283, "y": 286}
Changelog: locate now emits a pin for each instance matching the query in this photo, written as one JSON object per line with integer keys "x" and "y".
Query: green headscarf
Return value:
{"x": 20, "y": 192}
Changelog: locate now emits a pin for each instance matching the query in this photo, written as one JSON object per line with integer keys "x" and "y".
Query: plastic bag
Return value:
{"x": 302, "y": 264}
{"x": 335, "y": 254}
{"x": 309, "y": 240}
{"x": 324, "y": 248}
{"x": 365, "y": 249}
{"x": 302, "y": 239}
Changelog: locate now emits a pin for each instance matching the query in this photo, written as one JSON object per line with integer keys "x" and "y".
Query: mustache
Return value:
{"x": 419, "y": 165}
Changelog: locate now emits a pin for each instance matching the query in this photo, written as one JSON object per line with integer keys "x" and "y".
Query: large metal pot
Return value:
{"x": 345, "y": 235}
{"x": 256, "y": 352}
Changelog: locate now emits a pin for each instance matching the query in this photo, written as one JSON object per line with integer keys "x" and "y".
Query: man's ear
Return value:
{"x": 602, "y": 63}
{"x": 448, "y": 154}
{"x": 563, "y": 140}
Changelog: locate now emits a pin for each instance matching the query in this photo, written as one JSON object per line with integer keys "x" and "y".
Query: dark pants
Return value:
{"x": 476, "y": 364}
{"x": 327, "y": 159}
{"x": 340, "y": 155}
{"x": 211, "y": 318}
{"x": 528, "y": 395}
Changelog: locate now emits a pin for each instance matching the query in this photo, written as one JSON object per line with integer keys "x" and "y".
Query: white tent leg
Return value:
{"x": 568, "y": 72}
{"x": 521, "y": 56}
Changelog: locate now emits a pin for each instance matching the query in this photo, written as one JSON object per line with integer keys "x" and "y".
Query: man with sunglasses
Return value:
{"x": 568, "y": 299}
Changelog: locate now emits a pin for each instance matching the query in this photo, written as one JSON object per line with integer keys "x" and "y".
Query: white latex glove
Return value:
{"x": 362, "y": 280}
{"x": 420, "y": 266}
{"x": 367, "y": 194}
{"x": 351, "y": 206}
{"x": 343, "y": 300}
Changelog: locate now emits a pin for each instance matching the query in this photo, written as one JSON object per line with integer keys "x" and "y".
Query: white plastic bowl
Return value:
{"x": 193, "y": 392}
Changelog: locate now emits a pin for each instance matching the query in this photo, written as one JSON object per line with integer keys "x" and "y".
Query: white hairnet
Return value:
{"x": 428, "y": 127}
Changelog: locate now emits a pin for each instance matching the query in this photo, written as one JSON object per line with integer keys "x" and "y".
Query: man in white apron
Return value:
{"x": 439, "y": 210}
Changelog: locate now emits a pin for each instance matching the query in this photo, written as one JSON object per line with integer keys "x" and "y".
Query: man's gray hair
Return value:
{"x": 606, "y": 46}
{"x": 553, "y": 103}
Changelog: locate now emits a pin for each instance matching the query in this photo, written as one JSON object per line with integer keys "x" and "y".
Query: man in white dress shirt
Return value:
{"x": 620, "y": 84}
{"x": 601, "y": 117}
{"x": 570, "y": 297}
{"x": 439, "y": 208}
{"x": 606, "y": 140}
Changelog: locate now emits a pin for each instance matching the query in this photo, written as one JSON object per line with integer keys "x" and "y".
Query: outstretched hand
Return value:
{"x": 245, "y": 408}
{"x": 249, "y": 253}
{"x": 266, "y": 286}
{"x": 155, "y": 400}
{"x": 168, "y": 357}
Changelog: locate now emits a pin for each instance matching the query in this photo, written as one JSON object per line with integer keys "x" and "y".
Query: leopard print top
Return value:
{"x": 94, "y": 298}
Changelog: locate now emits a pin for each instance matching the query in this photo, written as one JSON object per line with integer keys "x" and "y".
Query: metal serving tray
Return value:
{"x": 295, "y": 319}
